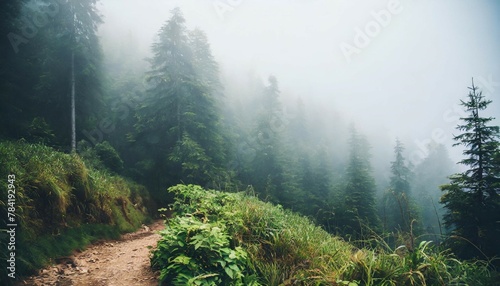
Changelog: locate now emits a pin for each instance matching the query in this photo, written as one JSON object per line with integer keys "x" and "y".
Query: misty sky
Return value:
{"x": 408, "y": 63}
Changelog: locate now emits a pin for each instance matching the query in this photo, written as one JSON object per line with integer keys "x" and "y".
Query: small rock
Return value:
{"x": 64, "y": 282}
{"x": 66, "y": 260}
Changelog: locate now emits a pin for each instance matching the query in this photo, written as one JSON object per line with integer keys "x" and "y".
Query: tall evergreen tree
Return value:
{"x": 266, "y": 172}
{"x": 472, "y": 197}
{"x": 360, "y": 189}
{"x": 77, "y": 24}
{"x": 204, "y": 64}
{"x": 399, "y": 209}
{"x": 317, "y": 186}
{"x": 54, "y": 32}
{"x": 270, "y": 171}
{"x": 179, "y": 121}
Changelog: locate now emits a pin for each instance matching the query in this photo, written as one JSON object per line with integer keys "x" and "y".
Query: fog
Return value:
{"x": 394, "y": 68}
{"x": 118, "y": 112}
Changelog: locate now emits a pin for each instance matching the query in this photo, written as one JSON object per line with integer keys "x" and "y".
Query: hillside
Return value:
{"x": 345, "y": 144}
{"x": 215, "y": 238}
{"x": 236, "y": 239}
{"x": 58, "y": 203}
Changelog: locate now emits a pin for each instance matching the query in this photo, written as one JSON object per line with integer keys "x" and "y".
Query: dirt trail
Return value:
{"x": 122, "y": 262}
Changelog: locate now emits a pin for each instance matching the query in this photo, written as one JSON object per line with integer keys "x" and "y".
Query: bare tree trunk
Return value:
{"x": 179, "y": 131}
{"x": 73, "y": 124}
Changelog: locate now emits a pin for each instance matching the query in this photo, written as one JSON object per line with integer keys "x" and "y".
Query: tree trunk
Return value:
{"x": 73, "y": 124}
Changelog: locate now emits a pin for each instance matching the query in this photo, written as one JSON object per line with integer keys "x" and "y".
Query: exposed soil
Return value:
{"x": 121, "y": 262}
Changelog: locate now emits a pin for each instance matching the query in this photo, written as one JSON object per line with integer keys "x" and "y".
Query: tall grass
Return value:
{"x": 288, "y": 249}
{"x": 61, "y": 204}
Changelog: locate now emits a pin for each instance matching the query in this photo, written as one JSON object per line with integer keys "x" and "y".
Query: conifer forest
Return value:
{"x": 279, "y": 142}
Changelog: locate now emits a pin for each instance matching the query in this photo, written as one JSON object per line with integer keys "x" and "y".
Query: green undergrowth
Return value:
{"x": 61, "y": 204}
{"x": 273, "y": 246}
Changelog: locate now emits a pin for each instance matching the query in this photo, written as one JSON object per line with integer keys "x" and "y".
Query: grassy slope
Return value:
{"x": 62, "y": 205}
{"x": 287, "y": 249}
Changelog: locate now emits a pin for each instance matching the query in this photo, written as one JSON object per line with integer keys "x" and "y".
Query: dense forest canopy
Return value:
{"x": 265, "y": 98}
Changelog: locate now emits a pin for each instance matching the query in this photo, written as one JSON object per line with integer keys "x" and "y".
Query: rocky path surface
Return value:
{"x": 122, "y": 262}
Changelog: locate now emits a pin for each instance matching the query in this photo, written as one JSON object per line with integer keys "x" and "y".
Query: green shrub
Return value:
{"x": 285, "y": 248}
{"x": 102, "y": 156}
{"x": 109, "y": 157}
{"x": 192, "y": 252}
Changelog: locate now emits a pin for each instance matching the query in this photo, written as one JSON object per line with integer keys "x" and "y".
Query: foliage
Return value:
{"x": 271, "y": 171}
{"x": 472, "y": 197}
{"x": 191, "y": 159}
{"x": 359, "y": 191}
{"x": 284, "y": 248}
{"x": 179, "y": 123}
{"x": 172, "y": 126}
{"x": 196, "y": 248}
{"x": 399, "y": 210}
{"x": 57, "y": 193}
{"x": 109, "y": 157}
{"x": 193, "y": 252}
{"x": 40, "y": 132}
{"x": 36, "y": 74}
{"x": 102, "y": 156}
{"x": 431, "y": 173}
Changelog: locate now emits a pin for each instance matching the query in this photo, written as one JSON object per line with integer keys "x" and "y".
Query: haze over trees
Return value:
{"x": 399, "y": 210}
{"x": 429, "y": 175}
{"x": 359, "y": 190}
{"x": 179, "y": 119}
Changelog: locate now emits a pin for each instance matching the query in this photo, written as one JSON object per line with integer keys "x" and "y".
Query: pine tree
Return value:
{"x": 400, "y": 212}
{"x": 319, "y": 189}
{"x": 43, "y": 64}
{"x": 204, "y": 63}
{"x": 271, "y": 171}
{"x": 266, "y": 172}
{"x": 359, "y": 188}
{"x": 179, "y": 121}
{"x": 80, "y": 20}
{"x": 472, "y": 197}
